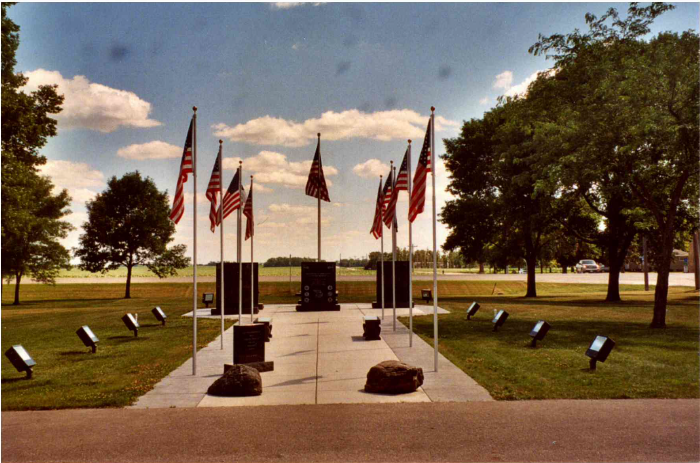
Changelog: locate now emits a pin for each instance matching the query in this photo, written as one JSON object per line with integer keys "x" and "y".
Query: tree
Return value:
{"x": 30, "y": 213}
{"x": 31, "y": 227}
{"x": 635, "y": 121}
{"x": 128, "y": 225}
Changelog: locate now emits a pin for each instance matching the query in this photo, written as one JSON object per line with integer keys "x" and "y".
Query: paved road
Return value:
{"x": 565, "y": 430}
{"x": 637, "y": 278}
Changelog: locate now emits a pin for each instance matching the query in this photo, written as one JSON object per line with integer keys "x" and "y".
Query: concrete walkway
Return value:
{"x": 320, "y": 358}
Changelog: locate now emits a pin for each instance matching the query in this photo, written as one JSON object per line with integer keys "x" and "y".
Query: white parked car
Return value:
{"x": 588, "y": 266}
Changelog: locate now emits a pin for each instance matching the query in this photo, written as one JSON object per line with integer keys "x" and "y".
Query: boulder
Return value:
{"x": 238, "y": 381}
{"x": 393, "y": 377}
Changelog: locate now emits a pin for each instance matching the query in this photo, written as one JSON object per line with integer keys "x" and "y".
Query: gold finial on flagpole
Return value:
{"x": 409, "y": 141}
{"x": 194, "y": 108}
{"x": 432, "y": 108}
{"x": 221, "y": 142}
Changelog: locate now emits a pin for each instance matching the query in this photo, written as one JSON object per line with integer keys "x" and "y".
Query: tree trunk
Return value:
{"x": 661, "y": 292}
{"x": 564, "y": 269}
{"x": 481, "y": 267}
{"x": 18, "y": 278}
{"x": 128, "y": 282}
{"x": 531, "y": 286}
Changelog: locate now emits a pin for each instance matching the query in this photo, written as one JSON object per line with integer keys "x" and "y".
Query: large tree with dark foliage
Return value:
{"x": 128, "y": 224}
{"x": 626, "y": 117}
{"x": 31, "y": 214}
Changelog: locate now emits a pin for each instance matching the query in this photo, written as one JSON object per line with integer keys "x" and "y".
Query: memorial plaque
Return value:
{"x": 231, "y": 289}
{"x": 249, "y": 343}
{"x": 402, "y": 278}
{"x": 318, "y": 287}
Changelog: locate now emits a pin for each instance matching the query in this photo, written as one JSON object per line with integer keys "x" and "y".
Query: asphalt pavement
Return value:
{"x": 547, "y": 430}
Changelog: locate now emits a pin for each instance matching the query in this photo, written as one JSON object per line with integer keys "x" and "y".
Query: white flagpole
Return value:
{"x": 240, "y": 244}
{"x": 381, "y": 227}
{"x": 435, "y": 293}
{"x": 194, "y": 239}
{"x": 410, "y": 255}
{"x": 221, "y": 235}
{"x": 252, "y": 288}
{"x": 318, "y": 192}
{"x": 393, "y": 247}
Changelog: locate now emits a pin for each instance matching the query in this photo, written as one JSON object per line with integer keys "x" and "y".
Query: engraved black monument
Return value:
{"x": 318, "y": 287}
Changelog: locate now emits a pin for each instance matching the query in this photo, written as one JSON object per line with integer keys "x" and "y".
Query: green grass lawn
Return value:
{"x": 645, "y": 363}
{"x": 202, "y": 270}
{"x": 67, "y": 374}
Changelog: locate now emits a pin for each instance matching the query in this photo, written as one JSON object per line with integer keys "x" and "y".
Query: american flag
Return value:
{"x": 186, "y": 167}
{"x": 387, "y": 191}
{"x": 402, "y": 178}
{"x": 417, "y": 202}
{"x": 212, "y": 190}
{"x": 232, "y": 198}
{"x": 390, "y": 211}
{"x": 248, "y": 212}
{"x": 377, "y": 228}
{"x": 316, "y": 185}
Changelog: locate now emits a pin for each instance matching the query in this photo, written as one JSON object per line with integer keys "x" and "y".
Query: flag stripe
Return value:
{"x": 212, "y": 190}
{"x": 232, "y": 197}
{"x": 377, "y": 228}
{"x": 248, "y": 212}
{"x": 417, "y": 201}
{"x": 316, "y": 184}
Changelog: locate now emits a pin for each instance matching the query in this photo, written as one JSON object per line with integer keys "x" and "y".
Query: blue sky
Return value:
{"x": 266, "y": 78}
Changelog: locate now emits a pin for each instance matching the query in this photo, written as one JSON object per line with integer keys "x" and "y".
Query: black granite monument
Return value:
{"x": 231, "y": 289}
{"x": 318, "y": 287}
{"x": 402, "y": 276}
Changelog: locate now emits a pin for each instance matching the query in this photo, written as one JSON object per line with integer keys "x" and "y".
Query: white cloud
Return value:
{"x": 288, "y": 5}
{"x": 260, "y": 188}
{"x": 88, "y": 105}
{"x": 372, "y": 168}
{"x": 269, "y": 167}
{"x": 292, "y": 210}
{"x": 484, "y": 101}
{"x": 76, "y": 177}
{"x": 503, "y": 80}
{"x": 521, "y": 88}
{"x": 151, "y": 150}
{"x": 380, "y": 125}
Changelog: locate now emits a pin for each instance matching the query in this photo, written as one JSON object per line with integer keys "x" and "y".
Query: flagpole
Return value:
{"x": 194, "y": 239}
{"x": 435, "y": 293}
{"x": 240, "y": 244}
{"x": 381, "y": 228}
{"x": 319, "y": 197}
{"x": 221, "y": 236}
{"x": 252, "y": 289}
{"x": 410, "y": 257}
{"x": 393, "y": 248}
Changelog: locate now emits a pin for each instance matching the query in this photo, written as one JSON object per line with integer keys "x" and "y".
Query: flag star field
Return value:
{"x": 266, "y": 78}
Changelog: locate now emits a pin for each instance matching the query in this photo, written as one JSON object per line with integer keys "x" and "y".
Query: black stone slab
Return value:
{"x": 318, "y": 287}
{"x": 403, "y": 275}
{"x": 231, "y": 289}
{"x": 249, "y": 343}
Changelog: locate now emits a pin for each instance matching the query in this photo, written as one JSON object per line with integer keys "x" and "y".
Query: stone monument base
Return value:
{"x": 317, "y": 307}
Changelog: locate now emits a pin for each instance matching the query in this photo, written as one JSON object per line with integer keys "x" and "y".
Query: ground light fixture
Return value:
{"x": 207, "y": 298}
{"x": 472, "y": 310}
{"x": 499, "y": 319}
{"x": 21, "y": 359}
{"x": 131, "y": 323}
{"x": 88, "y": 337}
{"x": 539, "y": 332}
{"x": 159, "y": 314}
{"x": 599, "y": 350}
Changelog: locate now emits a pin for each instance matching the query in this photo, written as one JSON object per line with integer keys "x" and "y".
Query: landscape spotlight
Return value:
{"x": 159, "y": 314}
{"x": 88, "y": 337}
{"x": 131, "y": 323}
{"x": 539, "y": 332}
{"x": 426, "y": 295}
{"x": 207, "y": 298}
{"x": 20, "y": 359}
{"x": 499, "y": 319}
{"x": 599, "y": 349}
{"x": 472, "y": 310}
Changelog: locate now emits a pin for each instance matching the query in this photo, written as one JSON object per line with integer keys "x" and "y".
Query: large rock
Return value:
{"x": 393, "y": 377}
{"x": 238, "y": 381}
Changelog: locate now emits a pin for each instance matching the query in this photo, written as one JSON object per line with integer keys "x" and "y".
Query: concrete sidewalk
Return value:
{"x": 320, "y": 358}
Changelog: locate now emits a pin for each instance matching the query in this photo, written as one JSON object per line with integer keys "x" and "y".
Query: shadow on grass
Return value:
{"x": 13, "y": 380}
{"x": 83, "y": 302}
{"x": 73, "y": 353}
{"x": 123, "y": 339}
